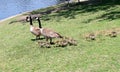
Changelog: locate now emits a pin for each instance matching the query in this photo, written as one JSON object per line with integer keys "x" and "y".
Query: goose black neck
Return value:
{"x": 39, "y": 23}
{"x": 31, "y": 21}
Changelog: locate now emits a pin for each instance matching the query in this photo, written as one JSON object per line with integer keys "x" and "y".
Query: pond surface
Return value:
{"x": 12, "y": 7}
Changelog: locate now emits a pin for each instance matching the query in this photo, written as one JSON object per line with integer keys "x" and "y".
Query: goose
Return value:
{"x": 48, "y": 33}
{"x": 34, "y": 30}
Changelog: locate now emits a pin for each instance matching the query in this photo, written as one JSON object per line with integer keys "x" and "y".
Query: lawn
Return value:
{"x": 19, "y": 53}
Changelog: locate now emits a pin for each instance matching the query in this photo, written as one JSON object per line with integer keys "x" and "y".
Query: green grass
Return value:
{"x": 18, "y": 53}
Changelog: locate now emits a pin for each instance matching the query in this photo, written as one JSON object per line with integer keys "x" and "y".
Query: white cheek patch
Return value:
{"x": 28, "y": 19}
{"x": 37, "y": 18}
{"x": 31, "y": 29}
{"x": 41, "y": 29}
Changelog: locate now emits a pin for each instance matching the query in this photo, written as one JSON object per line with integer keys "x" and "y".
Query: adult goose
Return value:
{"x": 34, "y": 30}
{"x": 48, "y": 33}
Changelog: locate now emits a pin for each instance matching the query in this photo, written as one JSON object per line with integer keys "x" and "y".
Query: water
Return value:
{"x": 13, "y": 7}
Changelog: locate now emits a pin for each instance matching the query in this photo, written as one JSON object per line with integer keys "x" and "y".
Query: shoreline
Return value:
{"x": 13, "y": 16}
{"x": 2, "y": 20}
{"x": 9, "y": 17}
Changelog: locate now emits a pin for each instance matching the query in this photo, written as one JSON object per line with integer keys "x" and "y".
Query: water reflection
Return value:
{"x": 13, "y": 7}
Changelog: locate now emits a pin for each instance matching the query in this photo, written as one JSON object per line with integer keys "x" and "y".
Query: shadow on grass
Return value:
{"x": 37, "y": 39}
{"x": 110, "y": 16}
{"x": 79, "y": 8}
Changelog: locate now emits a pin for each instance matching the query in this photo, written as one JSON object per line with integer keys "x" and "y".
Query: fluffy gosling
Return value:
{"x": 44, "y": 44}
{"x": 113, "y": 34}
{"x": 91, "y": 36}
{"x": 61, "y": 43}
{"x": 71, "y": 41}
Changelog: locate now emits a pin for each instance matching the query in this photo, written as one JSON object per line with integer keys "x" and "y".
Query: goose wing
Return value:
{"x": 50, "y": 33}
{"x": 36, "y": 31}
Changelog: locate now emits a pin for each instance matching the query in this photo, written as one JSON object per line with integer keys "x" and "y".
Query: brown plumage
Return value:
{"x": 44, "y": 44}
{"x": 91, "y": 36}
{"x": 34, "y": 30}
{"x": 48, "y": 33}
{"x": 61, "y": 43}
{"x": 66, "y": 41}
{"x": 71, "y": 41}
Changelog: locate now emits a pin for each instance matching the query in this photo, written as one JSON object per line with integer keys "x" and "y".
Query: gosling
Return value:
{"x": 61, "y": 43}
{"x": 91, "y": 36}
{"x": 113, "y": 34}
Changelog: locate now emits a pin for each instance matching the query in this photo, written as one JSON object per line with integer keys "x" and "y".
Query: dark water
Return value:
{"x": 13, "y": 7}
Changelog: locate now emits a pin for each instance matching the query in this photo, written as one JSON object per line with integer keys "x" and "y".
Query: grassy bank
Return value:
{"x": 18, "y": 53}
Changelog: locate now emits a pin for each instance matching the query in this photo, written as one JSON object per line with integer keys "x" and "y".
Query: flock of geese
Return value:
{"x": 49, "y": 34}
